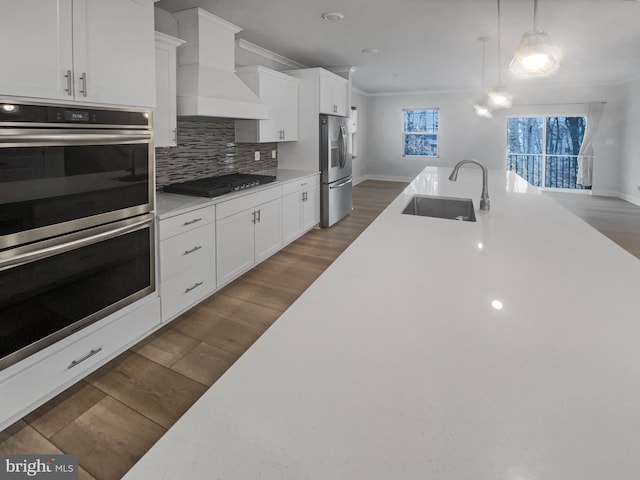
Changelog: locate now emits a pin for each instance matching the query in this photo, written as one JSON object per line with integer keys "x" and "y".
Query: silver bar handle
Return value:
{"x": 23, "y": 259}
{"x": 253, "y": 217}
{"x": 77, "y": 362}
{"x": 83, "y": 83}
{"x": 191, "y": 222}
{"x": 175, "y": 135}
{"x": 194, "y": 249}
{"x": 258, "y": 220}
{"x": 187, "y": 290}
{"x": 342, "y": 152}
{"x": 26, "y": 137}
{"x": 69, "y": 79}
{"x": 342, "y": 184}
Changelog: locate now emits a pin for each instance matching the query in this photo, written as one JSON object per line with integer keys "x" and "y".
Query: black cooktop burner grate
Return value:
{"x": 219, "y": 185}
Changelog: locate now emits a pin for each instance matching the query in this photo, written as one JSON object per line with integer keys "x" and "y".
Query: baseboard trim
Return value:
{"x": 630, "y": 198}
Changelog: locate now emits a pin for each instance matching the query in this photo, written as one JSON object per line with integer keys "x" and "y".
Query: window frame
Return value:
{"x": 436, "y": 133}
{"x": 544, "y": 155}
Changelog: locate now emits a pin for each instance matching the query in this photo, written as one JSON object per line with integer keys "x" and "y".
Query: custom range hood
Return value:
{"x": 207, "y": 85}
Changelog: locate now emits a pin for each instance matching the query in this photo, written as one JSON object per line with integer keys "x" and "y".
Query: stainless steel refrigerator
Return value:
{"x": 335, "y": 171}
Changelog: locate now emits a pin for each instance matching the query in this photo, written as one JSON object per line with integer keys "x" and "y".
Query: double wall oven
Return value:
{"x": 76, "y": 219}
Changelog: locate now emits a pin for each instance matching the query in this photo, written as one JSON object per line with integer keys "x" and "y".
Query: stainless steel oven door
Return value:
{"x": 51, "y": 289}
{"x": 55, "y": 180}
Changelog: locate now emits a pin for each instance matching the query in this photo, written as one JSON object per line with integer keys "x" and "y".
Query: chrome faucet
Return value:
{"x": 484, "y": 198}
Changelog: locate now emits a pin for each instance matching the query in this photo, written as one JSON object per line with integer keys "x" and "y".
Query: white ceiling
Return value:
{"x": 433, "y": 44}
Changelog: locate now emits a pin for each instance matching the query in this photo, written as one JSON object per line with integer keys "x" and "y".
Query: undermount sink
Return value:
{"x": 441, "y": 207}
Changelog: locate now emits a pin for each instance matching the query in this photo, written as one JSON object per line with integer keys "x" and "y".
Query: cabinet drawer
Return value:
{"x": 28, "y": 388}
{"x": 185, "y": 251}
{"x": 187, "y": 288}
{"x": 231, "y": 207}
{"x": 168, "y": 227}
{"x": 301, "y": 184}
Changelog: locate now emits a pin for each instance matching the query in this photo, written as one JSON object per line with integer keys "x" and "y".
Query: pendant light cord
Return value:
{"x": 535, "y": 15}
{"x": 484, "y": 45}
{"x": 499, "y": 45}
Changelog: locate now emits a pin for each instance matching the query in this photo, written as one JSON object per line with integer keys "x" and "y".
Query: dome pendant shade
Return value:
{"x": 535, "y": 56}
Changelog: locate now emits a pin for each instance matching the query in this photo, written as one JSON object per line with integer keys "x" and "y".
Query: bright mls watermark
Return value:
{"x": 50, "y": 467}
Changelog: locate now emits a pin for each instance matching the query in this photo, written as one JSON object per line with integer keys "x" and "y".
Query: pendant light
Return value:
{"x": 481, "y": 108}
{"x": 498, "y": 96}
{"x": 535, "y": 56}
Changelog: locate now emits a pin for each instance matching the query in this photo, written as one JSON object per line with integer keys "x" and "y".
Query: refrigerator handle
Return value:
{"x": 341, "y": 184}
{"x": 343, "y": 144}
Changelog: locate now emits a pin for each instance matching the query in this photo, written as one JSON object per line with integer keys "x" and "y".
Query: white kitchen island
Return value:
{"x": 395, "y": 365}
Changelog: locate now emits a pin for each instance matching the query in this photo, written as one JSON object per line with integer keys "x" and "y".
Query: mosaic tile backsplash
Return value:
{"x": 207, "y": 147}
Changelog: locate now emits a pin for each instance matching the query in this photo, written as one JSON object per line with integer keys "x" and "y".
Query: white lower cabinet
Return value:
{"x": 28, "y": 384}
{"x": 187, "y": 260}
{"x": 248, "y": 230}
{"x": 300, "y": 207}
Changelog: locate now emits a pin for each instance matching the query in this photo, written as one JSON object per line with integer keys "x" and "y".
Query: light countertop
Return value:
{"x": 170, "y": 204}
{"x": 394, "y": 364}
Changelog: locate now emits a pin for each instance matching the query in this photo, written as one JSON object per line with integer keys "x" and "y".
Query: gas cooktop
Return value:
{"x": 220, "y": 185}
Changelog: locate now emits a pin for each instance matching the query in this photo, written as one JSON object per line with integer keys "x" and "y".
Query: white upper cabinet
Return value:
{"x": 90, "y": 51}
{"x": 165, "y": 121}
{"x": 322, "y": 91}
{"x": 37, "y": 48}
{"x": 277, "y": 91}
{"x": 333, "y": 94}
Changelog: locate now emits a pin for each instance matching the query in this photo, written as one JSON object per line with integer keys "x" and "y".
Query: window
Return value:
{"x": 544, "y": 150}
{"x": 420, "y": 134}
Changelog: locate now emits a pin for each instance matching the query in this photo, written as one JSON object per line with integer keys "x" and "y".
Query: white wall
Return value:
{"x": 630, "y": 167}
{"x": 465, "y": 135}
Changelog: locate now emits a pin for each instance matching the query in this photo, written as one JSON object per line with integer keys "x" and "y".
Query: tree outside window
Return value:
{"x": 420, "y": 133}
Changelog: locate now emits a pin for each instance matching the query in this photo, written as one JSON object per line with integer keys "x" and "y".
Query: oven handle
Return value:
{"x": 30, "y": 137}
{"x": 28, "y": 257}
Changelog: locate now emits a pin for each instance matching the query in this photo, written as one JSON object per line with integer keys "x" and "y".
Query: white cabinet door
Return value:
{"x": 280, "y": 93}
{"x": 333, "y": 94}
{"x": 114, "y": 51}
{"x": 267, "y": 230}
{"x": 164, "y": 117}
{"x": 37, "y": 51}
{"x": 269, "y": 129}
{"x": 234, "y": 245}
{"x": 291, "y": 217}
{"x": 310, "y": 208}
{"x": 289, "y": 110}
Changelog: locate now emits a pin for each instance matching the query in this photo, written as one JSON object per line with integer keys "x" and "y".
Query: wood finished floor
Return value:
{"x": 111, "y": 418}
{"x": 618, "y": 219}
{"x": 115, "y": 415}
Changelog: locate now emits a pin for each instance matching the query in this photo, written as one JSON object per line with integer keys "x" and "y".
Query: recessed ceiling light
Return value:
{"x": 332, "y": 16}
{"x": 369, "y": 51}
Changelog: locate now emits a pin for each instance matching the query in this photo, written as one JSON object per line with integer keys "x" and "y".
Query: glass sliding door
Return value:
{"x": 544, "y": 150}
